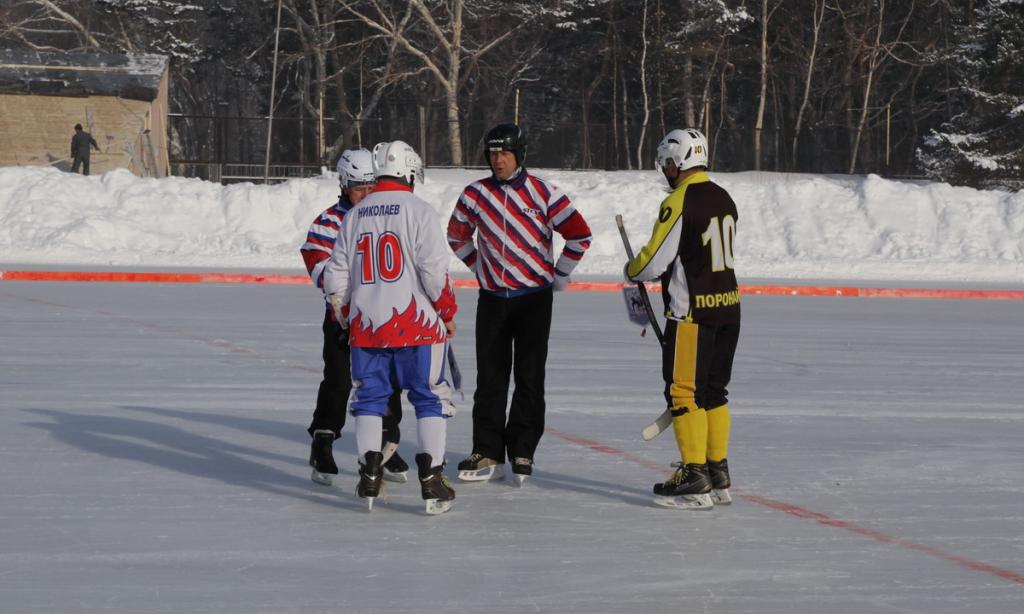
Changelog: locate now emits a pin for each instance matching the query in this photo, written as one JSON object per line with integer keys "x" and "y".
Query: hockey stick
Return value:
{"x": 456, "y": 373}
{"x": 663, "y": 421}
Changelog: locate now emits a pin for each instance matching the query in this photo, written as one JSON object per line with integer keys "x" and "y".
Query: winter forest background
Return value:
{"x": 894, "y": 87}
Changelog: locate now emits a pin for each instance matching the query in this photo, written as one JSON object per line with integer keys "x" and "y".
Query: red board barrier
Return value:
{"x": 576, "y": 286}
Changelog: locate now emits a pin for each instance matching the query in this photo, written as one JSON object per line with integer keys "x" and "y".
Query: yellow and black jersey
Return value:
{"x": 691, "y": 251}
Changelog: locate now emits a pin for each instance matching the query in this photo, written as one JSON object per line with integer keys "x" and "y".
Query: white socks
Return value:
{"x": 432, "y": 433}
{"x": 369, "y": 430}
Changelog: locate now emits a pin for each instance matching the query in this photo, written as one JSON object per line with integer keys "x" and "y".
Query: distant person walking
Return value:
{"x": 80, "y": 151}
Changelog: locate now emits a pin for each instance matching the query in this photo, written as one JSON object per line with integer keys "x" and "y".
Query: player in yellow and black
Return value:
{"x": 691, "y": 251}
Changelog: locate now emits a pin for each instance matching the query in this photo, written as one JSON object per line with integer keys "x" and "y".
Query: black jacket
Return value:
{"x": 80, "y": 143}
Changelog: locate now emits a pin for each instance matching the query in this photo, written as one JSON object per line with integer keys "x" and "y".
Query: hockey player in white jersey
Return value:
{"x": 388, "y": 283}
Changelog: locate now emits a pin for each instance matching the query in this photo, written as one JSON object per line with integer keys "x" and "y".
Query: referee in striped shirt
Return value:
{"x": 513, "y": 215}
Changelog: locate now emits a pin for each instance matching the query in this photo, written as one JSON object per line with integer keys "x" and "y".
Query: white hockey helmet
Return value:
{"x": 687, "y": 148}
{"x": 355, "y": 168}
{"x": 397, "y": 159}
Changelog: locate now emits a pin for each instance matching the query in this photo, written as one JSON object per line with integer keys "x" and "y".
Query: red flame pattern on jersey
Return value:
{"x": 409, "y": 328}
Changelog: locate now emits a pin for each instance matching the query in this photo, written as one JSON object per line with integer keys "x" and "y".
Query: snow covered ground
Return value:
{"x": 791, "y": 226}
{"x": 153, "y": 459}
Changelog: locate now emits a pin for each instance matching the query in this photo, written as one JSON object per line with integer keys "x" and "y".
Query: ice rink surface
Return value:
{"x": 153, "y": 459}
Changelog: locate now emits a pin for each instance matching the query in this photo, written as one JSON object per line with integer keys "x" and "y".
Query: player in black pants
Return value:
{"x": 331, "y": 406}
{"x": 355, "y": 175}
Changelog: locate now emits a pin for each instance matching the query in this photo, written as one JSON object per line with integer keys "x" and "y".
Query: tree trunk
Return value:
{"x": 688, "y": 111}
{"x": 764, "y": 85}
{"x": 615, "y": 102}
{"x": 451, "y": 100}
{"x": 872, "y": 67}
{"x": 818, "y": 17}
{"x": 643, "y": 88}
{"x": 625, "y": 125}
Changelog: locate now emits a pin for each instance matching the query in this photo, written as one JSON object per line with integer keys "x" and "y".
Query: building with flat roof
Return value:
{"x": 122, "y": 100}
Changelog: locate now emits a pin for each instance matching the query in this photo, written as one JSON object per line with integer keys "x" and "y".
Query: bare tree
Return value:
{"x": 762, "y": 97}
{"x": 875, "y": 56}
{"x": 587, "y": 96}
{"x": 444, "y": 30}
{"x": 643, "y": 89}
{"x": 819, "y": 16}
{"x": 877, "y": 53}
{"x": 41, "y": 24}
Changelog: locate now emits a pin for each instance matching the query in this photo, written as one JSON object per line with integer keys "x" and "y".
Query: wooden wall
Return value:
{"x": 37, "y": 130}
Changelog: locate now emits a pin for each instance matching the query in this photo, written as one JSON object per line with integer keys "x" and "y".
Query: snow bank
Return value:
{"x": 791, "y": 226}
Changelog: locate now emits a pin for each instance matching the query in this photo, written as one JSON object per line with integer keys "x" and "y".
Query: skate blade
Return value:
{"x": 437, "y": 506}
{"x": 399, "y": 477}
{"x": 686, "y": 502}
{"x": 721, "y": 496}
{"x": 327, "y": 479}
{"x": 370, "y": 500}
{"x": 494, "y": 472}
{"x": 521, "y": 480}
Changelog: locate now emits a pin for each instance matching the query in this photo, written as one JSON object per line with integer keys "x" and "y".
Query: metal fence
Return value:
{"x": 232, "y": 148}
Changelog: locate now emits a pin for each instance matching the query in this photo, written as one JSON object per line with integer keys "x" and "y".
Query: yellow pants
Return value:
{"x": 697, "y": 365}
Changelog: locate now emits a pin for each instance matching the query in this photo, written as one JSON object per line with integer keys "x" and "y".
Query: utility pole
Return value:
{"x": 273, "y": 94}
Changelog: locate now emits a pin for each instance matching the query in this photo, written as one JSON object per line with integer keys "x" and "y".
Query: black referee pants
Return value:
{"x": 511, "y": 337}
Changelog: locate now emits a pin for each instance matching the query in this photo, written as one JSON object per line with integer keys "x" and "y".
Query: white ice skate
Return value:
{"x": 395, "y": 469}
{"x": 327, "y": 479}
{"x": 686, "y": 502}
{"x": 437, "y": 506}
{"x": 484, "y": 474}
{"x": 721, "y": 496}
{"x": 479, "y": 468}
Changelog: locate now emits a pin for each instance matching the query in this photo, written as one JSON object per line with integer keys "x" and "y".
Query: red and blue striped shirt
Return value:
{"x": 320, "y": 240}
{"x": 514, "y": 222}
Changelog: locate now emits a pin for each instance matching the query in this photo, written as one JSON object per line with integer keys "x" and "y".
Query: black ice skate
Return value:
{"x": 371, "y": 478}
{"x": 688, "y": 488}
{"x": 436, "y": 489}
{"x": 479, "y": 468}
{"x": 321, "y": 458}
{"x": 720, "y": 482}
{"x": 395, "y": 467}
{"x": 522, "y": 467}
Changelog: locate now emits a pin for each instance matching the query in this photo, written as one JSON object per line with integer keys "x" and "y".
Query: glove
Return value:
{"x": 337, "y": 309}
{"x": 561, "y": 281}
{"x": 341, "y": 334}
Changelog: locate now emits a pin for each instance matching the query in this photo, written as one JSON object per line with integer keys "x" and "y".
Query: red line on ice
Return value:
{"x": 802, "y": 512}
{"x": 577, "y": 286}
